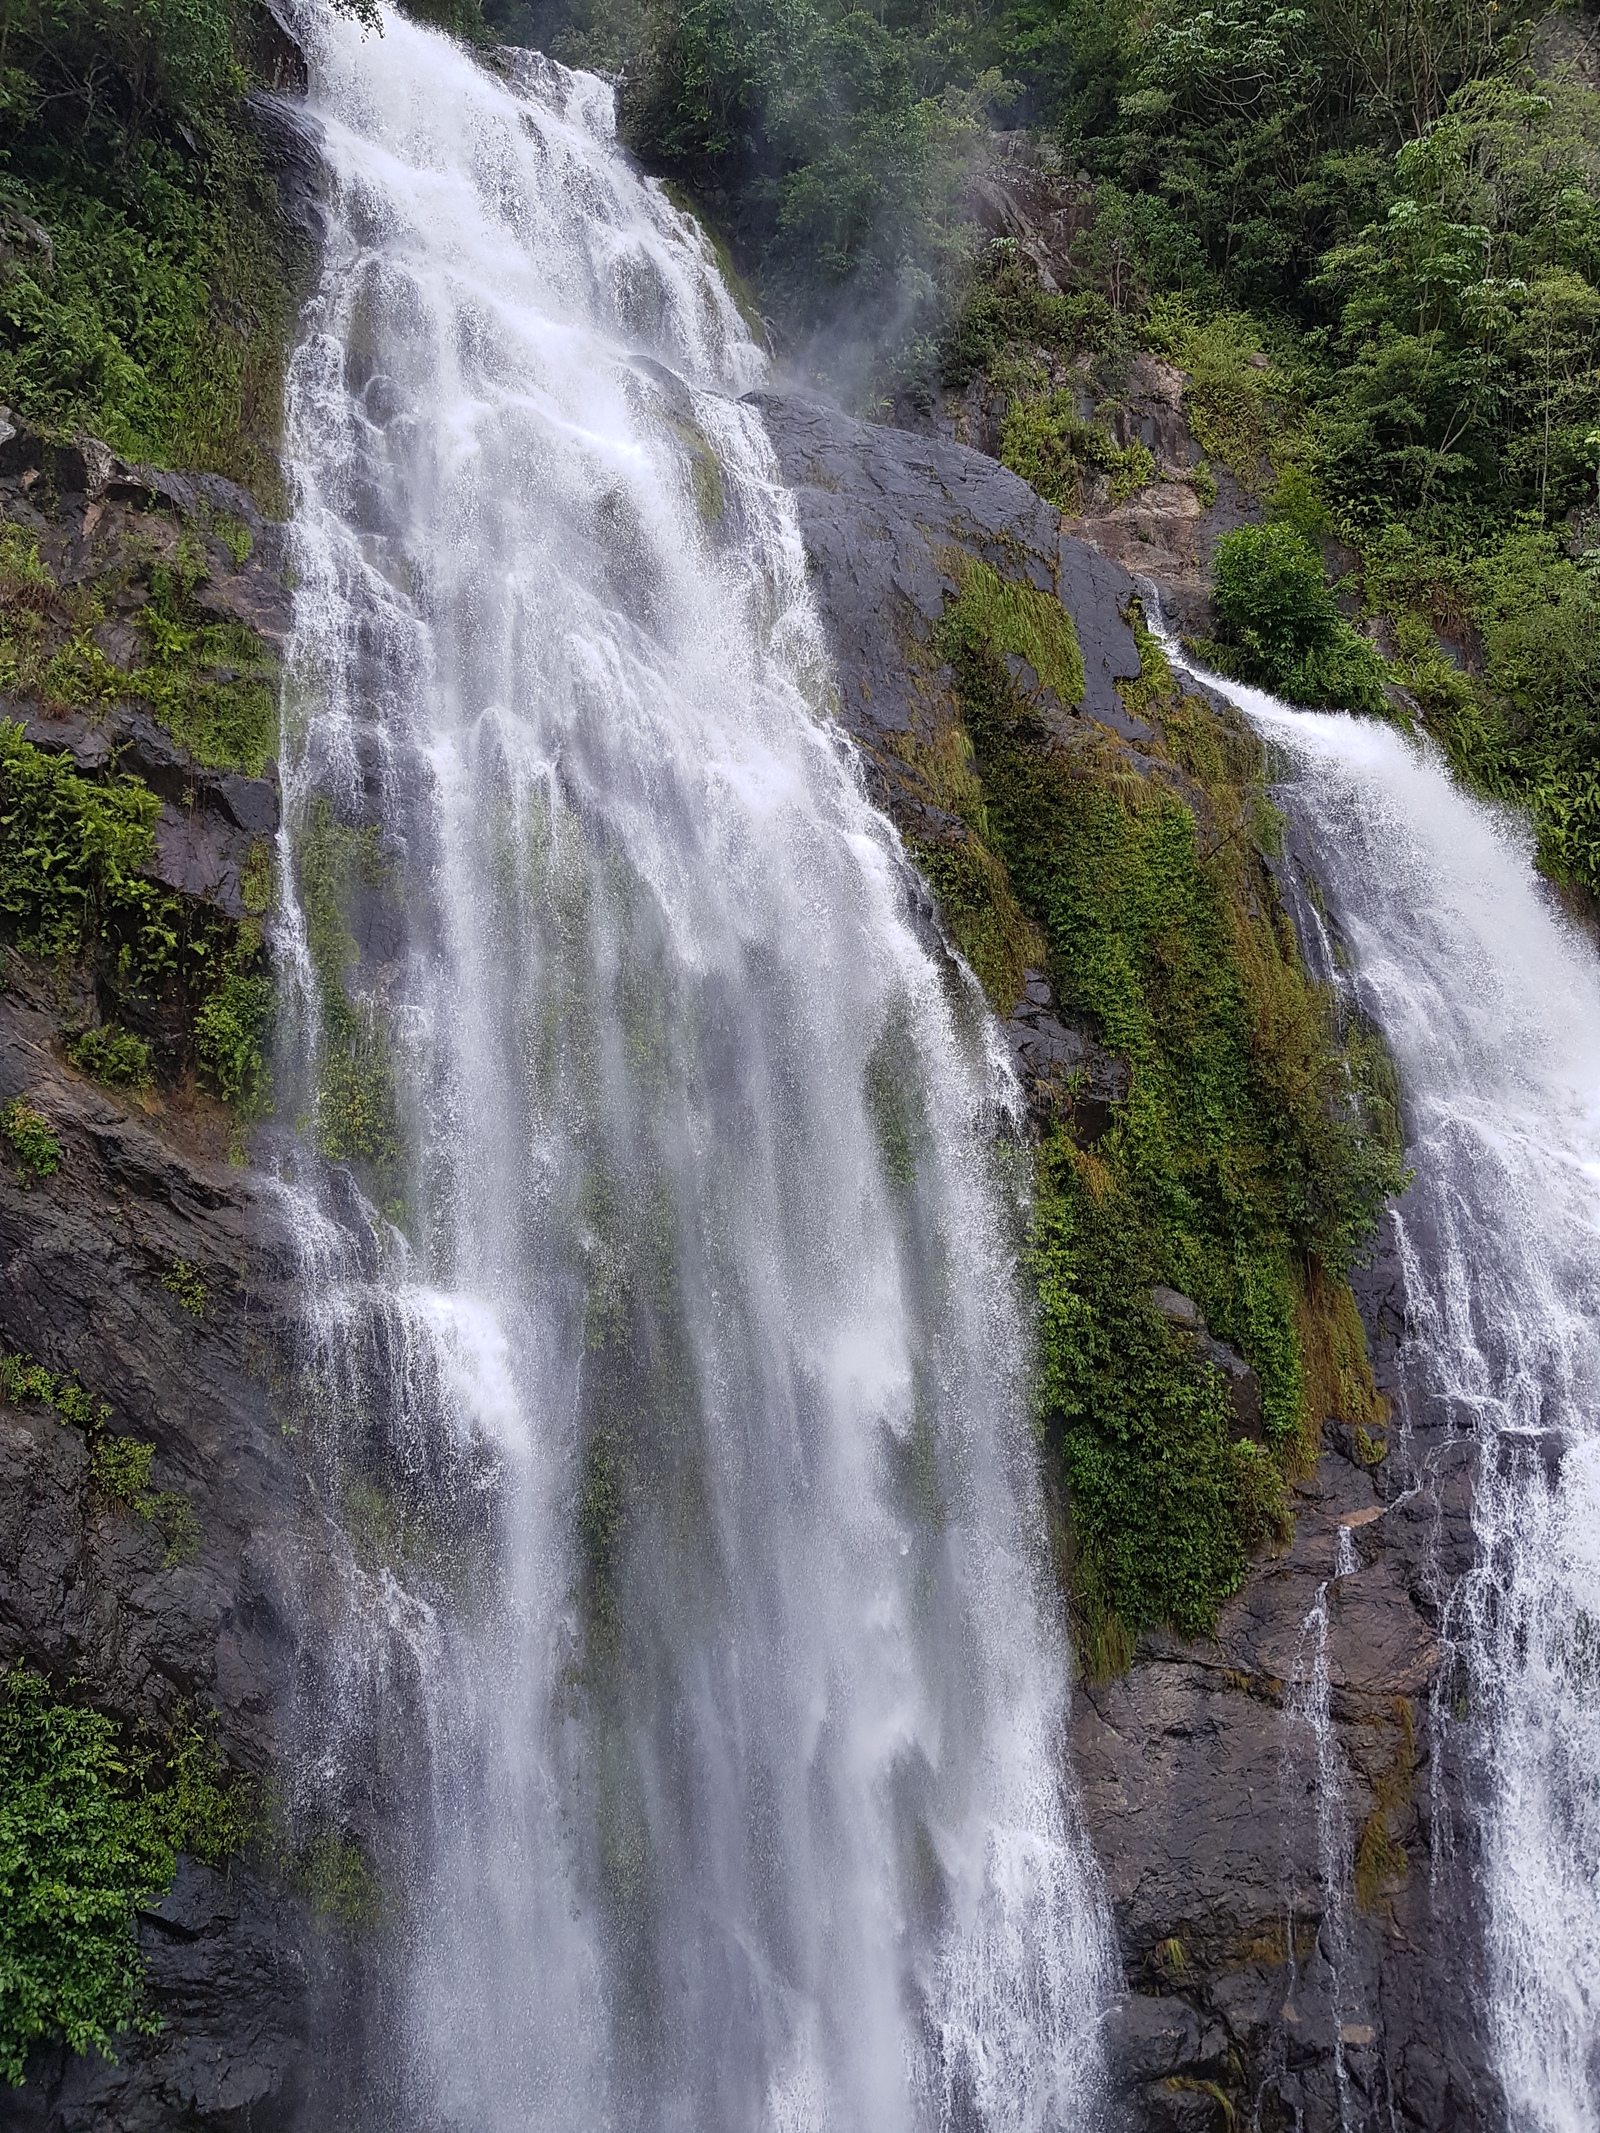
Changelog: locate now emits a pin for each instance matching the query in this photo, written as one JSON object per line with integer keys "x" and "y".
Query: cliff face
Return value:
{"x": 155, "y": 1273}
{"x": 1289, "y": 1865}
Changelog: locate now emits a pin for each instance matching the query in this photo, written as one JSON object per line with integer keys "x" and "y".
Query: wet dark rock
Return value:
{"x": 885, "y": 516}
{"x": 85, "y": 1593}
{"x": 880, "y": 510}
{"x": 211, "y": 820}
{"x": 1062, "y": 1065}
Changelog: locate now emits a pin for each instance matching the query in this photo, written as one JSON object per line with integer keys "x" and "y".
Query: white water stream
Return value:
{"x": 1490, "y": 1001}
{"x": 724, "y": 1652}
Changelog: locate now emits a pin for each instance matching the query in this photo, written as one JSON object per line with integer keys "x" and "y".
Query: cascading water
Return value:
{"x": 1490, "y": 1001}
{"x": 672, "y": 1397}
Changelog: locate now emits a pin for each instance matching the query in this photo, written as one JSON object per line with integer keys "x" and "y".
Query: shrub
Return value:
{"x": 89, "y": 1832}
{"x": 1241, "y": 1157}
{"x": 37, "y": 1151}
{"x": 1281, "y": 627}
{"x": 232, "y": 1031}
{"x": 1044, "y": 440}
{"x": 112, "y": 1055}
{"x": 188, "y": 1284}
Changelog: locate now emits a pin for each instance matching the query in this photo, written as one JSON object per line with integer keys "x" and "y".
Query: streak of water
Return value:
{"x": 685, "y": 1429}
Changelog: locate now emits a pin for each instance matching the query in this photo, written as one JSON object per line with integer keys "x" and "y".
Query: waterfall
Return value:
{"x": 700, "y": 1698}
{"x": 1490, "y": 1000}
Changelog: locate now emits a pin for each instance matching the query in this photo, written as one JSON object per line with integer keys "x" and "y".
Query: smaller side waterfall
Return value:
{"x": 1490, "y": 1001}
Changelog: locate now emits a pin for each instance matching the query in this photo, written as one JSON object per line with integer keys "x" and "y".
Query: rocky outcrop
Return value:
{"x": 1282, "y": 1813}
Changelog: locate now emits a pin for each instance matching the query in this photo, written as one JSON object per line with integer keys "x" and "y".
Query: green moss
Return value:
{"x": 334, "y": 1875}
{"x": 356, "y": 1114}
{"x": 1380, "y": 1862}
{"x": 1239, "y": 413}
{"x": 895, "y": 1104}
{"x": 90, "y": 1827}
{"x": 705, "y": 470}
{"x": 985, "y": 920}
{"x": 34, "y": 1147}
{"x": 112, "y": 1055}
{"x": 1020, "y": 621}
{"x": 1155, "y": 692}
{"x": 1242, "y": 1169}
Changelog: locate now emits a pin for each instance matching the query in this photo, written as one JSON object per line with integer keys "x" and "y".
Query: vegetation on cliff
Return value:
{"x": 91, "y": 1823}
{"x": 1244, "y": 1169}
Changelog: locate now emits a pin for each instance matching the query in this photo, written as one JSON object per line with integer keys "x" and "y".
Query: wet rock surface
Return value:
{"x": 885, "y": 515}
{"x": 86, "y": 1593}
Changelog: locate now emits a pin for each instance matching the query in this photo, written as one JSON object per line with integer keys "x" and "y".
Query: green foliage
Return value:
{"x": 120, "y": 1473}
{"x": 1044, "y": 440}
{"x": 72, "y": 855}
{"x": 34, "y": 1147}
{"x": 23, "y": 1379}
{"x": 1236, "y": 409}
{"x": 212, "y": 685}
{"x": 119, "y": 1467}
{"x": 188, "y": 1284}
{"x": 159, "y": 316}
{"x": 1281, "y": 627}
{"x": 1165, "y": 1504}
{"x": 233, "y": 1030}
{"x": 112, "y": 1055}
{"x": 89, "y": 1832}
{"x": 1242, "y": 1163}
{"x": 79, "y": 1853}
{"x": 1007, "y": 309}
{"x": 1022, "y": 622}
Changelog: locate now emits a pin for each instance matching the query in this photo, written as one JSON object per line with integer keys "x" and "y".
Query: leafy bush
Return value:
{"x": 1007, "y": 308}
{"x": 1282, "y": 628}
{"x": 112, "y": 1055}
{"x": 89, "y": 1832}
{"x": 233, "y": 1029}
{"x": 80, "y": 1852}
{"x": 159, "y": 317}
{"x": 33, "y": 1144}
{"x": 188, "y": 1283}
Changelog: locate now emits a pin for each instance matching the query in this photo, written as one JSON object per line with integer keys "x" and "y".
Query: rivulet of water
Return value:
{"x": 1490, "y": 1001}
{"x": 664, "y": 1348}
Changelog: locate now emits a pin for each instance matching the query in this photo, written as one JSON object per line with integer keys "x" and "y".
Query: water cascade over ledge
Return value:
{"x": 699, "y": 1698}
{"x": 1490, "y": 1001}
